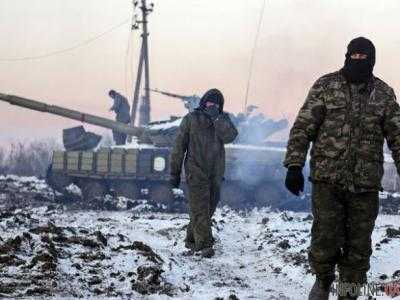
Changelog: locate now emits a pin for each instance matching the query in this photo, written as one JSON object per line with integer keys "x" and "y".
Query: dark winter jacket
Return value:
{"x": 122, "y": 108}
{"x": 200, "y": 145}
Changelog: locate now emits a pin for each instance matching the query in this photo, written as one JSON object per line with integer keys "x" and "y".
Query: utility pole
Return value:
{"x": 137, "y": 88}
{"x": 144, "y": 108}
{"x": 144, "y": 117}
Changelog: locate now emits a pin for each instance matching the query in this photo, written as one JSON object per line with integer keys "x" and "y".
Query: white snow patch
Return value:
{"x": 388, "y": 158}
{"x": 248, "y": 263}
{"x": 177, "y": 192}
{"x": 74, "y": 189}
{"x": 134, "y": 144}
{"x": 251, "y": 147}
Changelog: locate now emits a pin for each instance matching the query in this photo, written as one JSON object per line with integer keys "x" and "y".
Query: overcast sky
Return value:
{"x": 194, "y": 45}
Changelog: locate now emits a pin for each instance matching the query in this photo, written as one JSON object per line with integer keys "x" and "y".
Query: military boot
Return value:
{"x": 190, "y": 245}
{"x": 207, "y": 252}
{"x": 320, "y": 290}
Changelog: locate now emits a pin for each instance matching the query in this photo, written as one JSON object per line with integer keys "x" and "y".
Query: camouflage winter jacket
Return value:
{"x": 200, "y": 143}
{"x": 347, "y": 125}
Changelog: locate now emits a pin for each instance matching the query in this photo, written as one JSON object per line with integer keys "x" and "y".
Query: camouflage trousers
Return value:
{"x": 203, "y": 200}
{"x": 341, "y": 232}
{"x": 119, "y": 138}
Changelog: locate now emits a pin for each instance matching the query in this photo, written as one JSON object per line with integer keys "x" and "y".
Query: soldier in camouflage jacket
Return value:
{"x": 347, "y": 116}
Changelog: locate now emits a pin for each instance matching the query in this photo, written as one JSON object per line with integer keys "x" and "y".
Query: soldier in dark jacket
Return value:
{"x": 122, "y": 110}
{"x": 200, "y": 145}
{"x": 347, "y": 116}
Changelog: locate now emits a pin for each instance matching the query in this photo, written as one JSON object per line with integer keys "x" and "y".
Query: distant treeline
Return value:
{"x": 32, "y": 158}
{"x": 27, "y": 159}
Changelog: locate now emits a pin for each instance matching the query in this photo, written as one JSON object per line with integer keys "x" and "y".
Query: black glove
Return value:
{"x": 212, "y": 112}
{"x": 175, "y": 181}
{"x": 294, "y": 180}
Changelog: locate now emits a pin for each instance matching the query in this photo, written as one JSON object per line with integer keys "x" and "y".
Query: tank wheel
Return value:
{"x": 92, "y": 189}
{"x": 268, "y": 194}
{"x": 233, "y": 195}
{"x": 161, "y": 193}
{"x": 57, "y": 181}
{"x": 126, "y": 189}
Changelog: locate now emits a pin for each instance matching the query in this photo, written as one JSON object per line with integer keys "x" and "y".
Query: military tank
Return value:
{"x": 140, "y": 169}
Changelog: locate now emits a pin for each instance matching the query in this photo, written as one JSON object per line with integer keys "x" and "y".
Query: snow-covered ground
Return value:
{"x": 259, "y": 255}
{"x": 49, "y": 250}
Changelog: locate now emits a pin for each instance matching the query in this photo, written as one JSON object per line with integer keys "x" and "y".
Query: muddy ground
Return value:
{"x": 56, "y": 246}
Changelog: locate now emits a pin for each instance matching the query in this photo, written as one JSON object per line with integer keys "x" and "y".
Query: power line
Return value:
{"x": 61, "y": 51}
{"x": 253, "y": 54}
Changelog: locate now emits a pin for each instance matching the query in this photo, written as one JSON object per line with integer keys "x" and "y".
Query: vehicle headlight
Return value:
{"x": 159, "y": 164}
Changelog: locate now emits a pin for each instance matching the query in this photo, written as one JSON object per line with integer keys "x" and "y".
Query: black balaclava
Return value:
{"x": 213, "y": 95}
{"x": 359, "y": 70}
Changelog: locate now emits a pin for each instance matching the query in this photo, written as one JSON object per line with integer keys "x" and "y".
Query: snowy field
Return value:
{"x": 50, "y": 251}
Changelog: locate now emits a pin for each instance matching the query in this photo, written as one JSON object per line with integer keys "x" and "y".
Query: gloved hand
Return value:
{"x": 294, "y": 180}
{"x": 175, "y": 181}
{"x": 212, "y": 112}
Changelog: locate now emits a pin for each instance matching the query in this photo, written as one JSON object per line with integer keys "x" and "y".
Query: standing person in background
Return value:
{"x": 121, "y": 108}
{"x": 347, "y": 116}
{"x": 200, "y": 145}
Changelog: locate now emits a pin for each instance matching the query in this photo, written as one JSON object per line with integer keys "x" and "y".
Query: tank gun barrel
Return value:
{"x": 170, "y": 94}
{"x": 71, "y": 114}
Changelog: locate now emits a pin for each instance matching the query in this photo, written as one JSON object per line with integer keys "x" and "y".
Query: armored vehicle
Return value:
{"x": 140, "y": 169}
{"x": 252, "y": 176}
